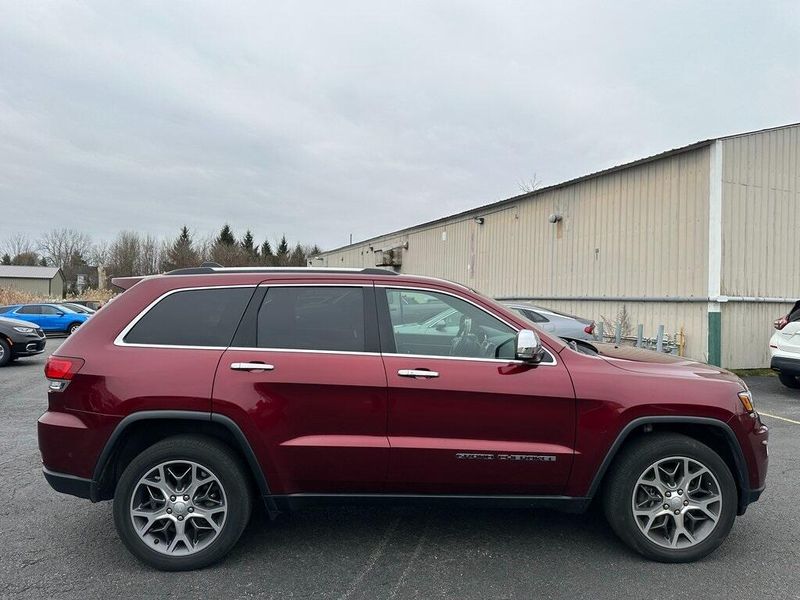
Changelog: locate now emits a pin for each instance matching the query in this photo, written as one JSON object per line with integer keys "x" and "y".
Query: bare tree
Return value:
{"x": 123, "y": 254}
{"x": 18, "y": 244}
{"x": 61, "y": 247}
{"x": 529, "y": 185}
{"x": 98, "y": 254}
{"x": 149, "y": 255}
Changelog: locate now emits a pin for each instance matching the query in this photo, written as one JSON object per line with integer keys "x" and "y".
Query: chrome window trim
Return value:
{"x": 303, "y": 351}
{"x": 505, "y": 361}
{"x": 552, "y": 363}
{"x": 120, "y": 339}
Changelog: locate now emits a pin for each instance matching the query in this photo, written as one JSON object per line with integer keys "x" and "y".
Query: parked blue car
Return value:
{"x": 52, "y": 318}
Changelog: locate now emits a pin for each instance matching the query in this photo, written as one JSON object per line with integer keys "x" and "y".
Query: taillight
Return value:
{"x": 60, "y": 370}
{"x": 781, "y": 323}
{"x": 589, "y": 328}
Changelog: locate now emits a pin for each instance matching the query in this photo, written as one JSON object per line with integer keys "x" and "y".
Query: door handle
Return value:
{"x": 417, "y": 373}
{"x": 251, "y": 366}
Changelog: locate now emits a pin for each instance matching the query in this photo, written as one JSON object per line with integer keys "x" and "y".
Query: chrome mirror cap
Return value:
{"x": 529, "y": 347}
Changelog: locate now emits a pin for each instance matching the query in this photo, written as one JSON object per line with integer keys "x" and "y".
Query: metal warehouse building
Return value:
{"x": 45, "y": 282}
{"x": 704, "y": 238}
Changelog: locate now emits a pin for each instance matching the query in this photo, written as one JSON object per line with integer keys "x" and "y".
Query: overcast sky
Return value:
{"x": 321, "y": 119}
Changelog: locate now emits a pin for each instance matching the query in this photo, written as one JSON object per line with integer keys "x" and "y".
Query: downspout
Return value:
{"x": 715, "y": 254}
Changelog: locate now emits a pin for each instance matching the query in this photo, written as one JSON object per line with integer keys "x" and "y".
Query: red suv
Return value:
{"x": 197, "y": 391}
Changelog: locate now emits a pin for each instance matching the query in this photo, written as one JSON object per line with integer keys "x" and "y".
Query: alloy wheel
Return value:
{"x": 178, "y": 508}
{"x": 677, "y": 502}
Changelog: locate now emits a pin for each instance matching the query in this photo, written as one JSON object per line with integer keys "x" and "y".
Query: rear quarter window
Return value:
{"x": 206, "y": 317}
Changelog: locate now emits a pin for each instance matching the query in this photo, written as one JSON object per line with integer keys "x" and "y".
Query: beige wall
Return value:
{"x": 642, "y": 231}
{"x": 639, "y": 231}
{"x": 39, "y": 287}
{"x": 761, "y": 214}
{"x": 761, "y": 239}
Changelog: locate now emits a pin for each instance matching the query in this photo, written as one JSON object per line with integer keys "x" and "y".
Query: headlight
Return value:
{"x": 746, "y": 398}
{"x": 24, "y": 329}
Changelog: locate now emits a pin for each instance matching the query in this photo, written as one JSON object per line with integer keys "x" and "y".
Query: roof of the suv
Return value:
{"x": 205, "y": 270}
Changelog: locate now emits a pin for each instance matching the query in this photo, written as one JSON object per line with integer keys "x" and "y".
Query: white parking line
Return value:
{"x": 763, "y": 414}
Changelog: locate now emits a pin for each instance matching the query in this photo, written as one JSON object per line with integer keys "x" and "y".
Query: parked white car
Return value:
{"x": 785, "y": 348}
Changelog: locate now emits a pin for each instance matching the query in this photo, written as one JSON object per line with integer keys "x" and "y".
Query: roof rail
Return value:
{"x": 207, "y": 269}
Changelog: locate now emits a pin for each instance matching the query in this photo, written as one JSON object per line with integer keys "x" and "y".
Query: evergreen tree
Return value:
{"x": 226, "y": 251}
{"x": 6, "y": 260}
{"x": 42, "y": 261}
{"x": 181, "y": 253}
{"x": 267, "y": 257}
{"x": 282, "y": 254}
{"x": 249, "y": 249}
{"x": 225, "y": 237}
{"x": 298, "y": 257}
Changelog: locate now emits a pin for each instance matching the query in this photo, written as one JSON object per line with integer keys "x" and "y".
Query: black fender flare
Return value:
{"x": 741, "y": 471}
{"x": 183, "y": 415}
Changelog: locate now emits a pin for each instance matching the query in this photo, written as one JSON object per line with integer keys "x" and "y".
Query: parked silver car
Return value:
{"x": 557, "y": 323}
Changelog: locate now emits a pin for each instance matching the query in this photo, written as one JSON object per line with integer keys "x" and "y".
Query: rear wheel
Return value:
{"x": 183, "y": 503}
{"x": 790, "y": 381}
{"x": 5, "y": 352}
{"x": 670, "y": 498}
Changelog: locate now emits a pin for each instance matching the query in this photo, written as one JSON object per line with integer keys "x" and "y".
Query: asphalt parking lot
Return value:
{"x": 54, "y": 546}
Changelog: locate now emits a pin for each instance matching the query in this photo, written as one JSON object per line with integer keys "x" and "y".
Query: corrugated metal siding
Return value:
{"x": 761, "y": 245}
{"x": 746, "y": 329}
{"x": 761, "y": 214}
{"x": 639, "y": 231}
{"x": 38, "y": 287}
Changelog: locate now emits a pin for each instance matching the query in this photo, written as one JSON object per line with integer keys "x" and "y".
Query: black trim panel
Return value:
{"x": 743, "y": 479}
{"x": 563, "y": 503}
{"x": 68, "y": 484}
{"x": 781, "y": 364}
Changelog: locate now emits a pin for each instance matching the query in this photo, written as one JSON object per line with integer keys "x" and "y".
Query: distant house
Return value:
{"x": 47, "y": 282}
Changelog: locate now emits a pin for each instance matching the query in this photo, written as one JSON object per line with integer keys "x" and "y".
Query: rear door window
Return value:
{"x": 202, "y": 317}
{"x": 312, "y": 318}
{"x": 30, "y": 310}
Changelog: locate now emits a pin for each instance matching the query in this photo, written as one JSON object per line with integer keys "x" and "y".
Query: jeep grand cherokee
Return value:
{"x": 199, "y": 391}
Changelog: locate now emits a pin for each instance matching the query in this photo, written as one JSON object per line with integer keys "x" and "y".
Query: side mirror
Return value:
{"x": 529, "y": 347}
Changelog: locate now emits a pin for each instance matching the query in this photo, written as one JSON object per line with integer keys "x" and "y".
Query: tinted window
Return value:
{"x": 459, "y": 328}
{"x": 52, "y": 310}
{"x": 312, "y": 318}
{"x": 192, "y": 318}
{"x": 30, "y": 310}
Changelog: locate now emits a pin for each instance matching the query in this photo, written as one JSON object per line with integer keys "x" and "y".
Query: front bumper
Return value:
{"x": 28, "y": 346}
{"x": 784, "y": 364}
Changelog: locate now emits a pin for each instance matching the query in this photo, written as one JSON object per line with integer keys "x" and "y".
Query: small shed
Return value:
{"x": 47, "y": 282}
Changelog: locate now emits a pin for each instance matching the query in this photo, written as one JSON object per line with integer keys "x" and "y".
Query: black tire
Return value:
{"x": 211, "y": 454}
{"x": 73, "y": 327}
{"x": 790, "y": 381}
{"x": 634, "y": 460}
{"x": 5, "y": 353}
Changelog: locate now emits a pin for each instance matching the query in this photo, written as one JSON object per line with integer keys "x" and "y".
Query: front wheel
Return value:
{"x": 73, "y": 328}
{"x": 790, "y": 381}
{"x": 670, "y": 498}
{"x": 5, "y": 352}
{"x": 183, "y": 503}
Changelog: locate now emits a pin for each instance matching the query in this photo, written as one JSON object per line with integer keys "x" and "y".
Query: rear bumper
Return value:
{"x": 783, "y": 364}
{"x": 68, "y": 484}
